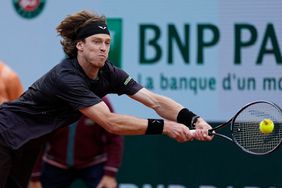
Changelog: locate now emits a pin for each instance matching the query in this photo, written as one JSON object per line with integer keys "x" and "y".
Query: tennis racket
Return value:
{"x": 246, "y": 129}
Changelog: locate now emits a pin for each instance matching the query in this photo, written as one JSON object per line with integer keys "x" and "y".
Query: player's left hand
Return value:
{"x": 201, "y": 132}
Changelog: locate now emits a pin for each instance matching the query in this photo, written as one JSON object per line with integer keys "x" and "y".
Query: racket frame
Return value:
{"x": 231, "y": 123}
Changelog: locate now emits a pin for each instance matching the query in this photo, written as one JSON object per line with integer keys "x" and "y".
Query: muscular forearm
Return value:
{"x": 125, "y": 124}
{"x": 115, "y": 123}
{"x": 164, "y": 106}
{"x": 129, "y": 125}
{"x": 167, "y": 108}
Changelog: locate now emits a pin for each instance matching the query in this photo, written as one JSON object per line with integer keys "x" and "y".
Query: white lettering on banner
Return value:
{"x": 126, "y": 185}
{"x": 129, "y": 185}
{"x": 207, "y": 186}
{"x": 176, "y": 186}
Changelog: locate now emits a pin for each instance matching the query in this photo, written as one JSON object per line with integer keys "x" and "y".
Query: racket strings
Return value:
{"x": 250, "y": 138}
{"x": 246, "y": 131}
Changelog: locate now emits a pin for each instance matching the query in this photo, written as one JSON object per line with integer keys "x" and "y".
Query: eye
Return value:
{"x": 95, "y": 41}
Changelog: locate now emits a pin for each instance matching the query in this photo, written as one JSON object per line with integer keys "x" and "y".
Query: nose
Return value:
{"x": 103, "y": 46}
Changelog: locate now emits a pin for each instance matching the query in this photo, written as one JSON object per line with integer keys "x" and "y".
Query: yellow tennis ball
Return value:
{"x": 266, "y": 126}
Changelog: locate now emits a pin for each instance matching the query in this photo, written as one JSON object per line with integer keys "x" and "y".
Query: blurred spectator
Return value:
{"x": 82, "y": 151}
{"x": 10, "y": 85}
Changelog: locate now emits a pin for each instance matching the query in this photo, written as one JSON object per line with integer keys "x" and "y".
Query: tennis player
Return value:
{"x": 75, "y": 86}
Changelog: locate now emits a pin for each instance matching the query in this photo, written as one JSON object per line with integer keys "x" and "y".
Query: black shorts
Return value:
{"x": 16, "y": 165}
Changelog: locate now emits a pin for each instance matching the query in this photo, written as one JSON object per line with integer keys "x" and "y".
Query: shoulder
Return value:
{"x": 68, "y": 69}
{"x": 66, "y": 75}
{"x": 109, "y": 66}
{"x": 113, "y": 71}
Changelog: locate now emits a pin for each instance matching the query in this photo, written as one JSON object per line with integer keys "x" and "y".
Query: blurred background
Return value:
{"x": 211, "y": 56}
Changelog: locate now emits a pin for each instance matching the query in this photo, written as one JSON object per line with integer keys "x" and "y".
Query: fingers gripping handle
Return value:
{"x": 193, "y": 132}
{"x": 210, "y": 132}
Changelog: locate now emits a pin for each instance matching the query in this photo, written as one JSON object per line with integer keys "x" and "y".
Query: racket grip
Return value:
{"x": 210, "y": 132}
{"x": 192, "y": 131}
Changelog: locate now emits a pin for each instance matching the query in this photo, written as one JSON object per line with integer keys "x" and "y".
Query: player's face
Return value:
{"x": 95, "y": 49}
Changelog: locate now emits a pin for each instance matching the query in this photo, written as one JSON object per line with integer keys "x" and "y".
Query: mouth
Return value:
{"x": 103, "y": 56}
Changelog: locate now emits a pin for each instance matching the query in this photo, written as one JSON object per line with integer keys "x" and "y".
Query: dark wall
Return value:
{"x": 159, "y": 160}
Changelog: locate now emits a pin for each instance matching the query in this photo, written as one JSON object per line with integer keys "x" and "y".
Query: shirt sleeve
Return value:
{"x": 123, "y": 82}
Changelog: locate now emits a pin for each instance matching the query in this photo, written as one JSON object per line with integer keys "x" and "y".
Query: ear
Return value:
{"x": 79, "y": 45}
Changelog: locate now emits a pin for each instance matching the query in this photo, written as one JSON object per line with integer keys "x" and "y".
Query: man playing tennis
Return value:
{"x": 75, "y": 86}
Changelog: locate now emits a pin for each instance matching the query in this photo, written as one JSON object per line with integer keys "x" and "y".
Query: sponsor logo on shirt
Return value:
{"x": 127, "y": 80}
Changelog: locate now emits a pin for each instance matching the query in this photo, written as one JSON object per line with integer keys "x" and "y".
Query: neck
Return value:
{"x": 90, "y": 70}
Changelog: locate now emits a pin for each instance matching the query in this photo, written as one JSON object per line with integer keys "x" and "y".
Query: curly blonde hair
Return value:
{"x": 68, "y": 28}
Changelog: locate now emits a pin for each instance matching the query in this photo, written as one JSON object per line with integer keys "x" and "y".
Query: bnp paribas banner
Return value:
{"x": 213, "y": 56}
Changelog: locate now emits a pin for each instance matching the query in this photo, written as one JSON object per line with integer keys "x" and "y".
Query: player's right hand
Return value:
{"x": 177, "y": 131}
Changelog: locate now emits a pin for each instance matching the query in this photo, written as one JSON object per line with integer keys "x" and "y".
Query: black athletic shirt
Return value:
{"x": 55, "y": 99}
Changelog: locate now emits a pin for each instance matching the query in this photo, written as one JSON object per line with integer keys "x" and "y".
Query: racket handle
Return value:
{"x": 192, "y": 131}
{"x": 210, "y": 132}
